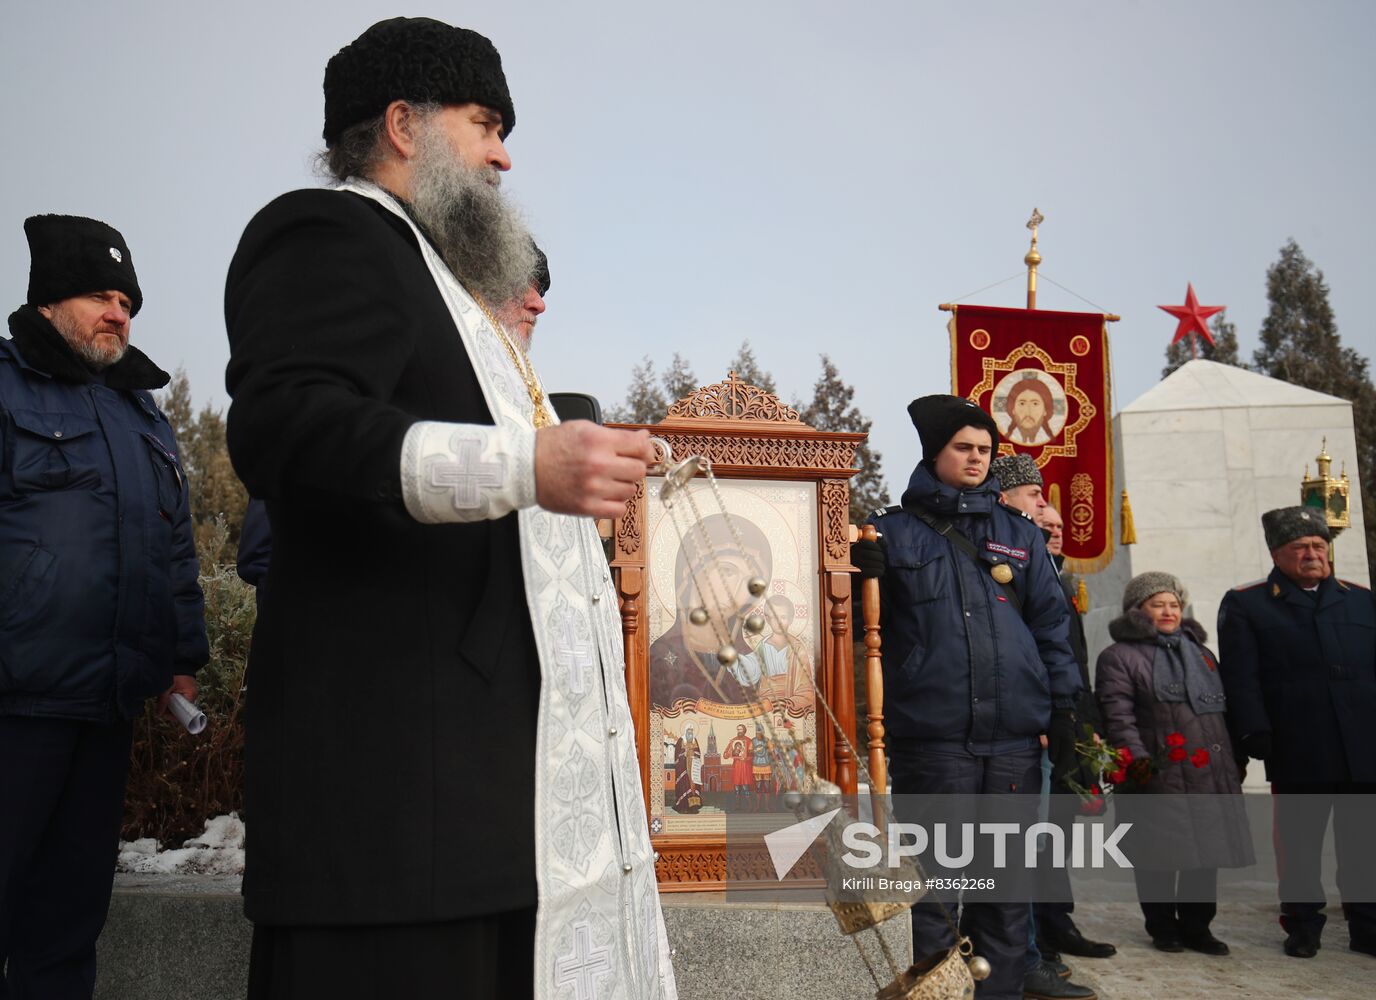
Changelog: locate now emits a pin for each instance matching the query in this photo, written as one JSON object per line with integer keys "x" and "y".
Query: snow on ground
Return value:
{"x": 217, "y": 851}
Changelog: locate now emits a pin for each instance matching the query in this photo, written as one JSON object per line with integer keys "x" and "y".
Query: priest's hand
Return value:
{"x": 584, "y": 468}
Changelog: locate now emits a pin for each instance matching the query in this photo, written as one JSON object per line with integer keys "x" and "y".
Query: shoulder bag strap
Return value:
{"x": 947, "y": 529}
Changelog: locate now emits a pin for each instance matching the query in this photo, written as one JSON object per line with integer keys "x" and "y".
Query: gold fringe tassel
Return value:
{"x": 1082, "y": 598}
{"x": 1129, "y": 535}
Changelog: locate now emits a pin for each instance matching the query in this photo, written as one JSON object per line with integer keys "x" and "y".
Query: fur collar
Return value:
{"x": 44, "y": 350}
{"x": 1135, "y": 626}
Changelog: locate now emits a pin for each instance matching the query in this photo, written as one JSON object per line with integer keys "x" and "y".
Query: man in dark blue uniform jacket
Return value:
{"x": 99, "y": 602}
{"x": 1298, "y": 658}
{"x": 977, "y": 660}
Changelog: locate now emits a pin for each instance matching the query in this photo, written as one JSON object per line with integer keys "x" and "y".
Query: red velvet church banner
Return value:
{"x": 1044, "y": 378}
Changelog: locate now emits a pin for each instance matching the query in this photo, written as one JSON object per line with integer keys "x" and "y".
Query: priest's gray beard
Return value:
{"x": 479, "y": 234}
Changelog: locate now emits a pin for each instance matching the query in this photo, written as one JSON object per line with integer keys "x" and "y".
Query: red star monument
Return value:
{"x": 1192, "y": 316}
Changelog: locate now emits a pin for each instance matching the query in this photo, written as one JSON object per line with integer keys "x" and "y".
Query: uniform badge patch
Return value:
{"x": 1005, "y": 550}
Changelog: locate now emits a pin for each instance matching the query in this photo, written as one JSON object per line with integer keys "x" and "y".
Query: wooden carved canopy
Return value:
{"x": 746, "y": 433}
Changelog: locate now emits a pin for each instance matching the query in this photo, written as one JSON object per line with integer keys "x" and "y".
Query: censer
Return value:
{"x": 945, "y": 975}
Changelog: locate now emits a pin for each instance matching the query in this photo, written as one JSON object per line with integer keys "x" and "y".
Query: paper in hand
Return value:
{"x": 187, "y": 714}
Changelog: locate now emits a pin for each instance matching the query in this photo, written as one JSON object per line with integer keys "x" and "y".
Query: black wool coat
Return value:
{"x": 395, "y": 680}
{"x": 1302, "y": 667}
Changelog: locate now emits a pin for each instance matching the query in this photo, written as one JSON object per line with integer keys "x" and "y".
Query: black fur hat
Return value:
{"x": 1284, "y": 524}
{"x": 541, "y": 270}
{"x": 937, "y": 418}
{"x": 72, "y": 255}
{"x": 413, "y": 59}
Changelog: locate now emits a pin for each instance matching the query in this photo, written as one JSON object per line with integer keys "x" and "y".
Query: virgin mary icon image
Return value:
{"x": 1029, "y": 405}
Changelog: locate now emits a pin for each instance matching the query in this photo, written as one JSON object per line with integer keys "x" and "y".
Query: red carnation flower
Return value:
{"x": 1124, "y": 756}
{"x": 1200, "y": 757}
{"x": 1118, "y": 777}
{"x": 1177, "y": 754}
{"x": 1175, "y": 740}
{"x": 1095, "y": 804}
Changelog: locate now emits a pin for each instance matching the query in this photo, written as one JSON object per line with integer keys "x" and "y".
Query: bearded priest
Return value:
{"x": 441, "y": 772}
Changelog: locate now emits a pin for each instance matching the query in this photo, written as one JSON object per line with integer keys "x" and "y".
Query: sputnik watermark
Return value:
{"x": 867, "y": 846}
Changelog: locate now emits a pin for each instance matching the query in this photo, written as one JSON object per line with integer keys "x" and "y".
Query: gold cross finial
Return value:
{"x": 1033, "y": 259}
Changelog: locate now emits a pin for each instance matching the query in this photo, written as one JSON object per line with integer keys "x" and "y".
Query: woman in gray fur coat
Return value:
{"x": 1161, "y": 697}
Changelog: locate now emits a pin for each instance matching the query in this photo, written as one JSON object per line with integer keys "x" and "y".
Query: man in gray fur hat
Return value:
{"x": 1020, "y": 483}
{"x": 1298, "y": 660}
{"x": 1022, "y": 488}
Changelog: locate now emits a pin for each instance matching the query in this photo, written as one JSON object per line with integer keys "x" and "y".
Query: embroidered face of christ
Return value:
{"x": 1029, "y": 405}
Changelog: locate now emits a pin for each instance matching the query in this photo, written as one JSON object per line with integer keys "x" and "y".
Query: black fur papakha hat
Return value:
{"x": 1284, "y": 524}
{"x": 1017, "y": 470}
{"x": 72, "y": 255}
{"x": 937, "y": 418}
{"x": 541, "y": 269}
{"x": 413, "y": 59}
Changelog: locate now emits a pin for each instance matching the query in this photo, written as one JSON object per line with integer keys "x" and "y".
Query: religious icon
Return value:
{"x": 1030, "y": 407}
{"x": 687, "y": 772}
{"x": 780, "y": 662}
{"x": 776, "y": 662}
{"x": 699, "y": 590}
{"x": 683, "y": 660}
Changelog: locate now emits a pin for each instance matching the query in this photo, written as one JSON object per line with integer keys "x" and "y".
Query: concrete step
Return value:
{"x": 184, "y": 937}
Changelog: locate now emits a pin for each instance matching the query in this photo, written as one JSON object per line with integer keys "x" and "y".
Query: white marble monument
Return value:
{"x": 1202, "y": 455}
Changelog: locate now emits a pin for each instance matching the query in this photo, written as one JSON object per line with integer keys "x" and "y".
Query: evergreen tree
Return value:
{"x": 1300, "y": 344}
{"x": 831, "y": 410}
{"x": 644, "y": 399}
{"x": 216, "y": 496}
{"x": 748, "y": 370}
{"x": 1223, "y": 349}
{"x": 679, "y": 380}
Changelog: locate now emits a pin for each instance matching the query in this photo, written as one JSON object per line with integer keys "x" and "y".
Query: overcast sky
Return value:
{"x": 814, "y": 177}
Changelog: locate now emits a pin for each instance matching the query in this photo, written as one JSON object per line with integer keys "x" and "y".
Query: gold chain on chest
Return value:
{"x": 524, "y": 368}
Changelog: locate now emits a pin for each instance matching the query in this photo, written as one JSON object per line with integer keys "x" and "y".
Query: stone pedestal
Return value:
{"x": 1202, "y": 455}
{"x": 171, "y": 937}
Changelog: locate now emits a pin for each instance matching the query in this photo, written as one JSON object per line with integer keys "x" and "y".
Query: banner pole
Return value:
{"x": 1032, "y": 259}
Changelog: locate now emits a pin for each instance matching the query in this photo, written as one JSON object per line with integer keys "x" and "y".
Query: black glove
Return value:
{"x": 868, "y": 557}
{"x": 1060, "y": 744}
{"x": 1257, "y": 745}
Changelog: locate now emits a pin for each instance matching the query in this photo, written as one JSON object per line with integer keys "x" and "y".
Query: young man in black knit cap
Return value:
{"x": 437, "y": 668}
{"x": 100, "y": 607}
{"x": 977, "y": 663}
{"x": 1022, "y": 488}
